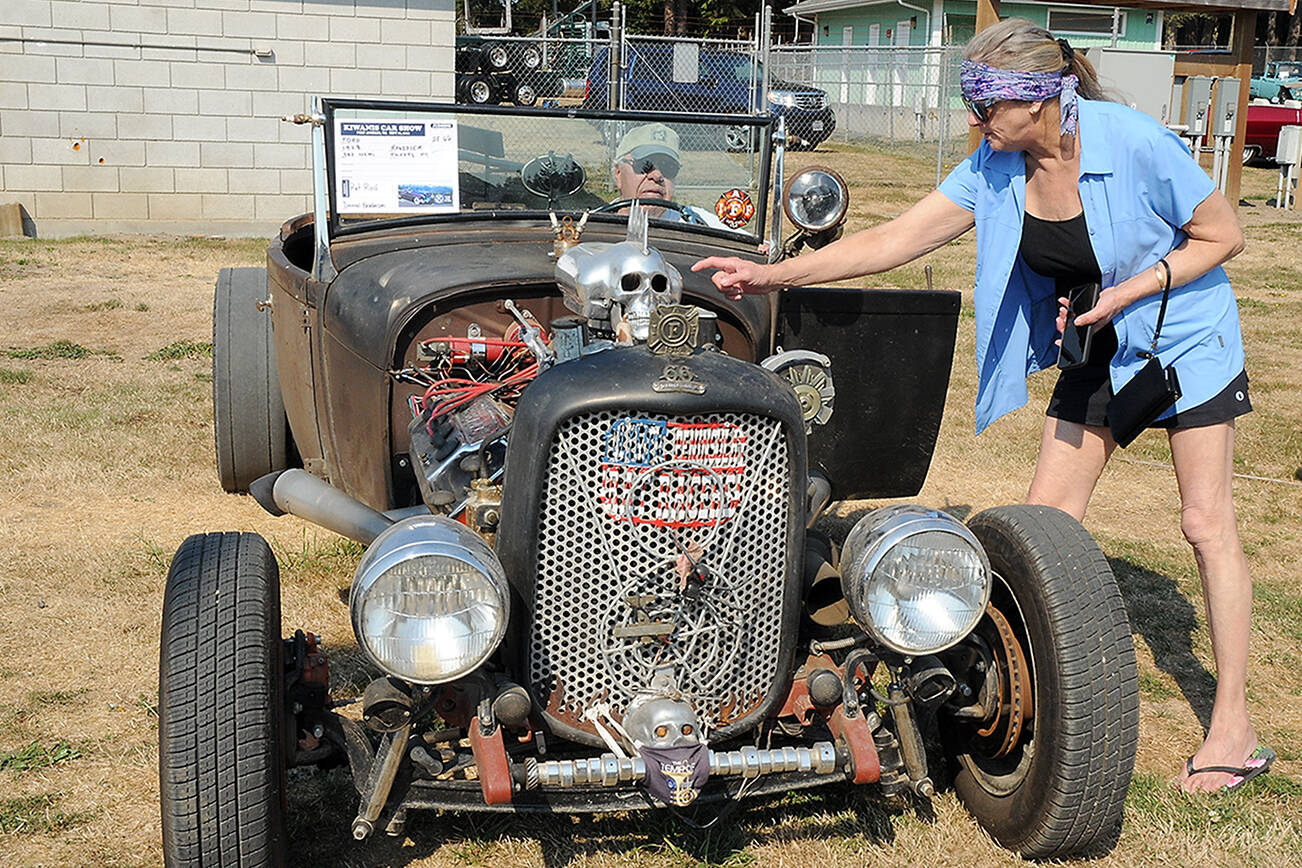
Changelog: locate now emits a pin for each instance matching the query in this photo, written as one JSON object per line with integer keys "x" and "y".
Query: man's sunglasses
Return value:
{"x": 667, "y": 165}
{"x": 980, "y": 108}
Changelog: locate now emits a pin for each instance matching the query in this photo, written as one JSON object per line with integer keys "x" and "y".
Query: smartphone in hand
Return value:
{"x": 1076, "y": 340}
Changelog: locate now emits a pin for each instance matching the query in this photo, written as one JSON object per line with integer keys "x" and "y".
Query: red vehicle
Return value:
{"x": 1264, "y": 123}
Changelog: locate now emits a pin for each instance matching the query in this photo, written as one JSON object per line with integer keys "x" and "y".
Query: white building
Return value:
{"x": 164, "y": 115}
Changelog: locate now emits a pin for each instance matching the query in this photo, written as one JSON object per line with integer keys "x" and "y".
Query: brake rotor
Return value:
{"x": 1015, "y": 706}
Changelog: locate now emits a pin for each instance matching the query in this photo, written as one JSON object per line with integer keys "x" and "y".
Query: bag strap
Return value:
{"x": 1161, "y": 313}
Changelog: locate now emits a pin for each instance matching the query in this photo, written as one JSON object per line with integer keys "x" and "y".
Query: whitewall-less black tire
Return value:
{"x": 221, "y": 716}
{"x": 249, "y": 425}
{"x": 1062, "y": 789}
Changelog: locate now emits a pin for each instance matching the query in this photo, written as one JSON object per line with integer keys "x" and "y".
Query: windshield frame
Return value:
{"x": 336, "y": 228}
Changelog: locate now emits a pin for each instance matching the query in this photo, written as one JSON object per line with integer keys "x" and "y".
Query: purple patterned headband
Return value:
{"x": 983, "y": 82}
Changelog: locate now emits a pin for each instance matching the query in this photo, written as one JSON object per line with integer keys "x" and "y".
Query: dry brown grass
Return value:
{"x": 107, "y": 465}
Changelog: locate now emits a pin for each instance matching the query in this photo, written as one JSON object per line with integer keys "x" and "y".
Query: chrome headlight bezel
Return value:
{"x": 422, "y": 537}
{"x": 869, "y": 543}
{"x": 816, "y": 199}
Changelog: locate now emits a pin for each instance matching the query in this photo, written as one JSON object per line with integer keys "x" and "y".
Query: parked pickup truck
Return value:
{"x": 723, "y": 82}
{"x": 1280, "y": 81}
{"x": 1264, "y": 122}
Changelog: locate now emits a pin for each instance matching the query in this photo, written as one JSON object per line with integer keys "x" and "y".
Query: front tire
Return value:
{"x": 221, "y": 748}
{"x": 1060, "y": 788}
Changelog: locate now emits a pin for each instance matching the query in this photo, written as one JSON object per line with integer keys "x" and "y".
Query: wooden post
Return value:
{"x": 987, "y": 16}
{"x": 1245, "y": 31}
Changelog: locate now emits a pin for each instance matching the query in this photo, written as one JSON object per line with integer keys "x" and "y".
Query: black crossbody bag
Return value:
{"x": 1151, "y": 392}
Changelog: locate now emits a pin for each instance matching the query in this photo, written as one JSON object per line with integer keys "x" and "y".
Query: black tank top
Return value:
{"x": 1060, "y": 249}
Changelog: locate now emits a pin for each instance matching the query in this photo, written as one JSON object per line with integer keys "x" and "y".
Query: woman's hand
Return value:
{"x": 1110, "y": 303}
{"x": 735, "y": 277}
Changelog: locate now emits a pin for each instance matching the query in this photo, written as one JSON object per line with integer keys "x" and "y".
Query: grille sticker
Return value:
{"x": 674, "y": 475}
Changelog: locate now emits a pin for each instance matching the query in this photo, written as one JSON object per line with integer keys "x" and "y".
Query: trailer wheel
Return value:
{"x": 1046, "y": 773}
{"x": 468, "y": 58}
{"x": 221, "y": 715}
{"x": 480, "y": 90}
{"x": 250, "y": 430}
{"x": 525, "y": 95}
{"x": 496, "y": 57}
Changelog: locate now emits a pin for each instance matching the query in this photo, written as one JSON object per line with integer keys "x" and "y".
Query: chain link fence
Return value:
{"x": 713, "y": 76}
{"x": 1264, "y": 56}
{"x": 905, "y": 99}
{"x": 525, "y": 70}
{"x": 901, "y": 98}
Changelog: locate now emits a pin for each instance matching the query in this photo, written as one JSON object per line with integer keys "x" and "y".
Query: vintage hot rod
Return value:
{"x": 587, "y": 486}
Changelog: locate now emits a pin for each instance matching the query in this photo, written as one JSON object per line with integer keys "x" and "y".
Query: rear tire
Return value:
{"x": 1062, "y": 789}
{"x": 250, "y": 430}
{"x": 1251, "y": 153}
{"x": 221, "y": 749}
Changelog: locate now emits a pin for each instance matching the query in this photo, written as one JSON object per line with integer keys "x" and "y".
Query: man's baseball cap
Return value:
{"x": 649, "y": 140}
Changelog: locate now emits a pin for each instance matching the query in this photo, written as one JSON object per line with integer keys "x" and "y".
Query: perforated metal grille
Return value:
{"x": 630, "y": 504}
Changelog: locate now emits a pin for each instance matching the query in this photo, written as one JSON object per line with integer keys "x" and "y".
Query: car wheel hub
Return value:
{"x": 1014, "y": 706}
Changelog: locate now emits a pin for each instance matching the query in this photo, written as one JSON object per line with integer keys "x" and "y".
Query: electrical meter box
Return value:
{"x": 1177, "y": 101}
{"x": 1289, "y": 150}
{"x": 1225, "y": 107}
{"x": 1142, "y": 79}
{"x": 1198, "y": 89}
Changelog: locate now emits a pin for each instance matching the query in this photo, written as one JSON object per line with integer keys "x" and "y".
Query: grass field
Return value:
{"x": 106, "y": 464}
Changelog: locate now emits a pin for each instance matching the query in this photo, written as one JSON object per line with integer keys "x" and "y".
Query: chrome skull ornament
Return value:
{"x": 624, "y": 281}
{"x": 660, "y": 722}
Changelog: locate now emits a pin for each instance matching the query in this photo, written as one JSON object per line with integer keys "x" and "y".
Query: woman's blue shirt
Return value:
{"x": 1138, "y": 185}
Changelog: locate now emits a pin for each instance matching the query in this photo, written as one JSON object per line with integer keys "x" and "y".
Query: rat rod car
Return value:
{"x": 585, "y": 482}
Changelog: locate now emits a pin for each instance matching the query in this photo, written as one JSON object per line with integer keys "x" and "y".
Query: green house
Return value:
{"x": 952, "y": 22}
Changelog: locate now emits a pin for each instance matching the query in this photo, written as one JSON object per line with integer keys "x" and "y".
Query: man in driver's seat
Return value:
{"x": 646, "y": 167}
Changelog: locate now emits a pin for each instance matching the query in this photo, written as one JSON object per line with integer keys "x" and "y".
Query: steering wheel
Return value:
{"x": 689, "y": 216}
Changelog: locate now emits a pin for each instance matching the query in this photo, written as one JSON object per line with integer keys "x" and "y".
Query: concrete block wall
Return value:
{"x": 164, "y": 115}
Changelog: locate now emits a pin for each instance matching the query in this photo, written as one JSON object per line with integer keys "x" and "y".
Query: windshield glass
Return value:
{"x": 739, "y": 67}
{"x": 388, "y": 161}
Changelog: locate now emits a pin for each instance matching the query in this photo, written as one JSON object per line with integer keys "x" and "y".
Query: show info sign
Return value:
{"x": 396, "y": 166}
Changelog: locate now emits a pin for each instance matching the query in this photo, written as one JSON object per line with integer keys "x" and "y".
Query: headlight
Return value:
{"x": 429, "y": 601}
{"x": 916, "y": 579}
{"x": 816, "y": 199}
{"x": 783, "y": 98}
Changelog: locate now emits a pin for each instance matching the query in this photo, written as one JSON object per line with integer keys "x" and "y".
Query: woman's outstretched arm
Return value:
{"x": 935, "y": 220}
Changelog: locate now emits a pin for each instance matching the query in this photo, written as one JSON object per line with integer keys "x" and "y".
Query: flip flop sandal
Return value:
{"x": 1258, "y": 763}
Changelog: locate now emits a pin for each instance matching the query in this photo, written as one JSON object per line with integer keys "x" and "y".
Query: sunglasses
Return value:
{"x": 667, "y": 166}
{"x": 980, "y": 108}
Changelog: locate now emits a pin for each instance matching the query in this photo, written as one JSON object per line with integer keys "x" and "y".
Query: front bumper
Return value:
{"x": 608, "y": 783}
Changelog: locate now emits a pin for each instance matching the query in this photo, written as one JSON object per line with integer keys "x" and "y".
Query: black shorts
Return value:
{"x": 1082, "y": 395}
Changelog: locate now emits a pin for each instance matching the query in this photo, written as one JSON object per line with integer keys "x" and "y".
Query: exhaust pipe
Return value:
{"x": 297, "y": 492}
